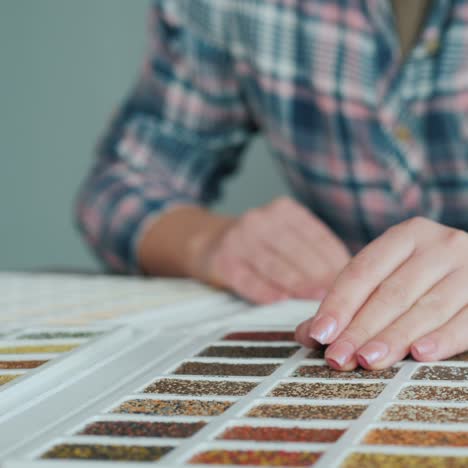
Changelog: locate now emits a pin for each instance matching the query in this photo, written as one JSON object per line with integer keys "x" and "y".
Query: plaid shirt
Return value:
{"x": 365, "y": 139}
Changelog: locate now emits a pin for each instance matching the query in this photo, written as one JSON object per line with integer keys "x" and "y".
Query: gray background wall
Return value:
{"x": 64, "y": 65}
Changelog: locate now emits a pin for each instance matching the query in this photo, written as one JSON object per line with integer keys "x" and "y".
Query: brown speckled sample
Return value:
{"x": 328, "y": 391}
{"x": 429, "y": 393}
{"x": 21, "y": 364}
{"x": 255, "y": 457}
{"x": 142, "y": 429}
{"x": 4, "y": 379}
{"x": 281, "y": 434}
{"x": 106, "y": 452}
{"x": 417, "y": 413}
{"x": 249, "y": 351}
{"x": 441, "y": 373}
{"x": 326, "y": 372}
{"x": 383, "y": 460}
{"x": 200, "y": 387}
{"x": 417, "y": 438}
{"x": 222, "y": 370}
{"x": 174, "y": 407}
{"x": 459, "y": 357}
{"x": 306, "y": 412}
{"x": 261, "y": 336}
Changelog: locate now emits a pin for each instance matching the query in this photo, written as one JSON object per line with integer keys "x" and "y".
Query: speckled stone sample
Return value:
{"x": 174, "y": 407}
{"x": 383, "y": 460}
{"x": 37, "y": 349}
{"x": 106, "y": 452}
{"x": 223, "y": 370}
{"x": 142, "y": 429}
{"x": 261, "y": 336}
{"x": 327, "y": 391}
{"x": 21, "y": 364}
{"x": 419, "y": 392}
{"x": 417, "y": 438}
{"x": 4, "y": 379}
{"x": 244, "y": 352}
{"x": 306, "y": 412}
{"x": 255, "y": 457}
{"x": 459, "y": 357}
{"x": 326, "y": 372}
{"x": 417, "y": 413}
{"x": 200, "y": 387}
{"x": 441, "y": 373}
{"x": 281, "y": 434}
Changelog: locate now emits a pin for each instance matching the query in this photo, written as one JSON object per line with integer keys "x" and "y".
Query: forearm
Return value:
{"x": 173, "y": 244}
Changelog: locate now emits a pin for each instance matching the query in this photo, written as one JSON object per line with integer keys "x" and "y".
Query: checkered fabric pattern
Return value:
{"x": 364, "y": 138}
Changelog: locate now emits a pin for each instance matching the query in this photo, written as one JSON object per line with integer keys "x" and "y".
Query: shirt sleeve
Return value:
{"x": 179, "y": 133}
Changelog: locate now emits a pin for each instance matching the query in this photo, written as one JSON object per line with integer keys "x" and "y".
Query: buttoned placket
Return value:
{"x": 396, "y": 90}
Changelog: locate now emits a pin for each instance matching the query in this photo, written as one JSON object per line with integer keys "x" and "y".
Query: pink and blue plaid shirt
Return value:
{"x": 364, "y": 138}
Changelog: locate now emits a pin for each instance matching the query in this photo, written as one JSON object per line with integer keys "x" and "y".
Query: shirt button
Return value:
{"x": 433, "y": 46}
{"x": 403, "y": 134}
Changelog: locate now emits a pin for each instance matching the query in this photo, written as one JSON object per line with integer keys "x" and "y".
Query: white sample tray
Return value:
{"x": 154, "y": 357}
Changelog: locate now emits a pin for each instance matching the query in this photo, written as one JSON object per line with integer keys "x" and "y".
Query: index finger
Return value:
{"x": 357, "y": 281}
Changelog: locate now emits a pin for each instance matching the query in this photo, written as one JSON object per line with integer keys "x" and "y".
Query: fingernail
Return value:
{"x": 322, "y": 328}
{"x": 372, "y": 352}
{"x": 425, "y": 346}
{"x": 339, "y": 354}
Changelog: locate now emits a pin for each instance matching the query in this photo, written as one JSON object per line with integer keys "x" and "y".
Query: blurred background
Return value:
{"x": 64, "y": 65}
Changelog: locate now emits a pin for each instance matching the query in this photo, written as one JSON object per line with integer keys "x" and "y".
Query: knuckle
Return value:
{"x": 430, "y": 302}
{"x": 456, "y": 238}
{"x": 399, "y": 334}
{"x": 358, "y": 268}
{"x": 357, "y": 333}
{"x": 338, "y": 301}
{"x": 392, "y": 291}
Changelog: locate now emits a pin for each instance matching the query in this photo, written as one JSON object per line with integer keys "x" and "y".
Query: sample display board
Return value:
{"x": 80, "y": 300}
{"x": 234, "y": 389}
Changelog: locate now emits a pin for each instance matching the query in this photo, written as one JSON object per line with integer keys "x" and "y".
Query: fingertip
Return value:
{"x": 424, "y": 349}
{"x": 302, "y": 337}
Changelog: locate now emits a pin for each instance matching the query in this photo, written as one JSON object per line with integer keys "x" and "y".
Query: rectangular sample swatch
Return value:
{"x": 326, "y": 372}
{"x": 200, "y": 387}
{"x": 255, "y": 457}
{"x": 441, "y": 373}
{"x": 37, "y": 349}
{"x": 338, "y": 412}
{"x": 223, "y": 370}
{"x": 420, "y": 438}
{"x": 106, "y": 452}
{"x": 246, "y": 352}
{"x": 261, "y": 336}
{"x": 328, "y": 391}
{"x": 174, "y": 407}
{"x": 142, "y": 429}
{"x": 281, "y": 434}
{"x": 429, "y": 393}
{"x": 416, "y": 413}
{"x": 21, "y": 364}
{"x": 368, "y": 460}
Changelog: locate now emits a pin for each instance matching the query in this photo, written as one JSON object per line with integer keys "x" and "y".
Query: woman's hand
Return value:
{"x": 274, "y": 252}
{"x": 405, "y": 292}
